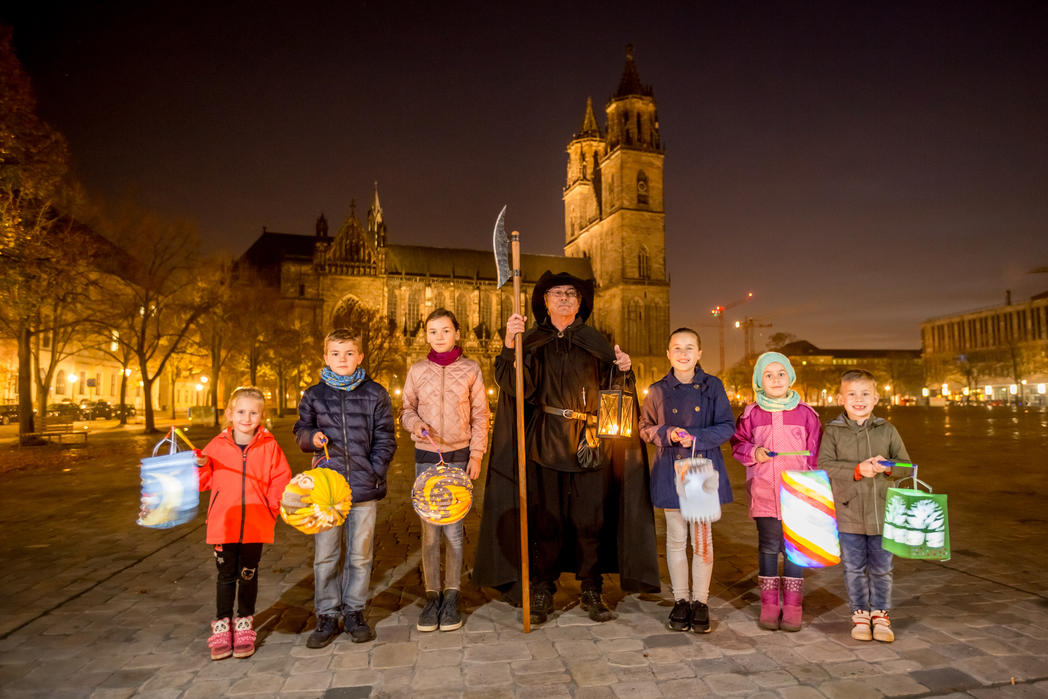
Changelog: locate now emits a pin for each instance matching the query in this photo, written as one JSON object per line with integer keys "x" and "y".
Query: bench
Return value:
{"x": 61, "y": 430}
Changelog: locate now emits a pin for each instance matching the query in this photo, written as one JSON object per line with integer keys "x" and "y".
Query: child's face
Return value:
{"x": 441, "y": 334}
{"x": 858, "y": 399}
{"x": 245, "y": 415}
{"x": 775, "y": 380}
{"x": 343, "y": 356}
{"x": 683, "y": 352}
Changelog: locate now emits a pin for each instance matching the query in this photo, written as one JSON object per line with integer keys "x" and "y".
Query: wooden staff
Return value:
{"x": 522, "y": 481}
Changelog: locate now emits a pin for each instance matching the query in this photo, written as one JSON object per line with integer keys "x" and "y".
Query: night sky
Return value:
{"x": 860, "y": 169}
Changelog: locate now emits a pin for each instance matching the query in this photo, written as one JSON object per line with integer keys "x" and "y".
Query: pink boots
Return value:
{"x": 769, "y": 587}
{"x": 792, "y": 599}
{"x": 243, "y": 637}
{"x": 221, "y": 641}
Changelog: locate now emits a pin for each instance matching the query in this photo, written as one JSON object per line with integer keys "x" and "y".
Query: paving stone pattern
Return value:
{"x": 94, "y": 606}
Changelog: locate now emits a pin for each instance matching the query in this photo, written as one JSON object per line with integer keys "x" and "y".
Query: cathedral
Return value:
{"x": 614, "y": 233}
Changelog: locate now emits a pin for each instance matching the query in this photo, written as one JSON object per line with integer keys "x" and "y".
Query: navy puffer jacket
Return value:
{"x": 360, "y": 430}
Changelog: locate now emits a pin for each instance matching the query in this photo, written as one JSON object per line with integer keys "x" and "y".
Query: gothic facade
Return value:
{"x": 614, "y": 222}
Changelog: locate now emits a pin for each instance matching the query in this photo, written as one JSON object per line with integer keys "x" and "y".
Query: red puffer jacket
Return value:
{"x": 246, "y": 486}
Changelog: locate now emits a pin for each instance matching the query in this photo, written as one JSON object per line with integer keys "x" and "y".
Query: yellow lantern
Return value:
{"x": 615, "y": 414}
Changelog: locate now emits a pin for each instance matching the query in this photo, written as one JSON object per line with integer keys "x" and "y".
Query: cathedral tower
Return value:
{"x": 614, "y": 215}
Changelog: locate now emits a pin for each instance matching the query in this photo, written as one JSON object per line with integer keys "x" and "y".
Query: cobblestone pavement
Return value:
{"x": 93, "y": 606}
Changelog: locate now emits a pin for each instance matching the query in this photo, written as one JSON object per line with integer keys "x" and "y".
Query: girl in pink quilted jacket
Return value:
{"x": 768, "y": 435}
{"x": 445, "y": 408}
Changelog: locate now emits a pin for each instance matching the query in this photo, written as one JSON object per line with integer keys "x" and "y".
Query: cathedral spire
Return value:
{"x": 376, "y": 226}
{"x": 590, "y": 127}
{"x": 629, "y": 83}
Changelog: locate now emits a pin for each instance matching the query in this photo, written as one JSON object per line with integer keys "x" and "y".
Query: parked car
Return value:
{"x": 95, "y": 410}
{"x": 8, "y": 413}
{"x": 64, "y": 411}
{"x": 123, "y": 409}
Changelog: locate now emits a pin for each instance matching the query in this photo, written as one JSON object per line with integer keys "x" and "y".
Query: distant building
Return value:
{"x": 999, "y": 353}
{"x": 899, "y": 373}
{"x": 614, "y": 224}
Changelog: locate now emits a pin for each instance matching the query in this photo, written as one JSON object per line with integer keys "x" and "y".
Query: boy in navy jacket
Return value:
{"x": 353, "y": 415}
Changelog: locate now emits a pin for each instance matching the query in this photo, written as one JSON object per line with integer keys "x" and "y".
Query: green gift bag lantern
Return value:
{"x": 916, "y": 524}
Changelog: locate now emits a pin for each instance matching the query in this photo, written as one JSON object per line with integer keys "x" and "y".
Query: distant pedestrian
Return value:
{"x": 853, "y": 447}
{"x": 445, "y": 408}
{"x": 777, "y": 423}
{"x": 687, "y": 411}
{"x": 353, "y": 415}
{"x": 246, "y": 472}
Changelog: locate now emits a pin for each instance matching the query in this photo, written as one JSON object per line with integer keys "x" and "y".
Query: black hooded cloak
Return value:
{"x": 629, "y": 548}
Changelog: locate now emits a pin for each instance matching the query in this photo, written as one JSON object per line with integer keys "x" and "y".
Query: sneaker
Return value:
{"x": 429, "y": 619}
{"x": 244, "y": 637}
{"x": 861, "y": 626}
{"x": 594, "y": 605}
{"x": 882, "y": 626}
{"x": 221, "y": 641}
{"x": 541, "y": 606}
{"x": 358, "y": 628}
{"x": 325, "y": 633}
{"x": 700, "y": 617}
{"x": 680, "y": 617}
{"x": 450, "y": 619}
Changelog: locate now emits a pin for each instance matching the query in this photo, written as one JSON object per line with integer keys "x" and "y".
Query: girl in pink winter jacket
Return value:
{"x": 445, "y": 408}
{"x": 777, "y": 422}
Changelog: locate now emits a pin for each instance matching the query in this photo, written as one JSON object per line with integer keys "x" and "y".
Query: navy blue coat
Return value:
{"x": 360, "y": 431}
{"x": 702, "y": 408}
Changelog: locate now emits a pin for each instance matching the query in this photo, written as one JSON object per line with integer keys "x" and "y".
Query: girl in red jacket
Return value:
{"x": 246, "y": 473}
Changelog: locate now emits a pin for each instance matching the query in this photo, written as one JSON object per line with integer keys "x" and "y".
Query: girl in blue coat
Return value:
{"x": 686, "y": 406}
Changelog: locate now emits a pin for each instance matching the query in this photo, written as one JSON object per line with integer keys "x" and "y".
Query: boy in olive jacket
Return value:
{"x": 853, "y": 446}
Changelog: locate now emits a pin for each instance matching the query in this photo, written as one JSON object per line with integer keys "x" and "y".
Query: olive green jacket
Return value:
{"x": 860, "y": 504}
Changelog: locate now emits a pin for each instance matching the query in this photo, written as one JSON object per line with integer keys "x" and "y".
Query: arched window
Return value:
{"x": 391, "y": 305}
{"x": 60, "y": 383}
{"x": 462, "y": 308}
{"x": 635, "y": 329}
{"x": 643, "y": 264}
{"x": 642, "y": 188}
{"x": 414, "y": 315}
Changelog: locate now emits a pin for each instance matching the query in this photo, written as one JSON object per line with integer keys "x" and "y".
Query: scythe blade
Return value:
{"x": 501, "y": 244}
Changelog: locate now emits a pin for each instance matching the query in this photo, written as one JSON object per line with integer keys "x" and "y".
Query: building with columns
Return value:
{"x": 614, "y": 228}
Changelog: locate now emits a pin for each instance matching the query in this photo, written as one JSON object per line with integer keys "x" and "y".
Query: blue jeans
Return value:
{"x": 342, "y": 559}
{"x": 867, "y": 572}
{"x": 431, "y": 535}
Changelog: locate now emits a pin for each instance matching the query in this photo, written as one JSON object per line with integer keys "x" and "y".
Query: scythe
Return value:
{"x": 507, "y": 260}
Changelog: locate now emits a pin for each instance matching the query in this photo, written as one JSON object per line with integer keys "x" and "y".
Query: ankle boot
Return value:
{"x": 244, "y": 637}
{"x": 792, "y": 598}
{"x": 769, "y": 587}
{"x": 881, "y": 625}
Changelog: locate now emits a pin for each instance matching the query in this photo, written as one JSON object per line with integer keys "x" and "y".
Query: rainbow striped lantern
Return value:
{"x": 809, "y": 519}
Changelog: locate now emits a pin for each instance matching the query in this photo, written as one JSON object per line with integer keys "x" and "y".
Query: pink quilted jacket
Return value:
{"x": 451, "y": 401}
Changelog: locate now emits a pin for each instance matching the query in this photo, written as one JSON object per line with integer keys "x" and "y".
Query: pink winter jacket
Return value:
{"x": 785, "y": 430}
{"x": 451, "y": 401}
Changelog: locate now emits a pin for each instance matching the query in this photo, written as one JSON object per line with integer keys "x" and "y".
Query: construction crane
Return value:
{"x": 718, "y": 313}
{"x": 747, "y": 325}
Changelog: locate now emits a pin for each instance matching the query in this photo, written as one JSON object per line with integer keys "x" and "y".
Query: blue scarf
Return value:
{"x": 774, "y": 405}
{"x": 343, "y": 383}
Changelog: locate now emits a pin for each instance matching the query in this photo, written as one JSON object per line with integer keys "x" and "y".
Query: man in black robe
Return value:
{"x": 589, "y": 512}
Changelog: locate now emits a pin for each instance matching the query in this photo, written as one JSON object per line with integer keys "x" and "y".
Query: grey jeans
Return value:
{"x": 431, "y": 534}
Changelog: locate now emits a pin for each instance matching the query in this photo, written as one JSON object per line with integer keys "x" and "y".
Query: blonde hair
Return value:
{"x": 344, "y": 335}
{"x": 243, "y": 392}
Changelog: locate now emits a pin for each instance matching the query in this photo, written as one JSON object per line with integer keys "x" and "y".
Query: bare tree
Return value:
{"x": 159, "y": 297}
{"x": 45, "y": 255}
{"x": 383, "y": 346}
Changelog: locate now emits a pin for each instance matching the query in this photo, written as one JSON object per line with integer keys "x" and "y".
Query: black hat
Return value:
{"x": 548, "y": 280}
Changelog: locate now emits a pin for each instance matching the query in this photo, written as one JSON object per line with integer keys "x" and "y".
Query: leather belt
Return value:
{"x": 566, "y": 413}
